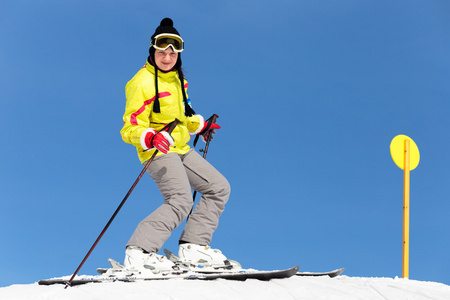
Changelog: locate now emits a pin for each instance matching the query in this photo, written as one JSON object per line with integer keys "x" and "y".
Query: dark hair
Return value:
{"x": 166, "y": 26}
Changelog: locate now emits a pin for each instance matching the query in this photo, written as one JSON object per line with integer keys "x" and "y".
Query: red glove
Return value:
{"x": 159, "y": 140}
{"x": 204, "y": 134}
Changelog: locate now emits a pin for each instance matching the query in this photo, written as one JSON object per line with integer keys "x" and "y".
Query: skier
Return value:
{"x": 155, "y": 96}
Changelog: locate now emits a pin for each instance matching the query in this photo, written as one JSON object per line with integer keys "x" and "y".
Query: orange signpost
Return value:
{"x": 406, "y": 156}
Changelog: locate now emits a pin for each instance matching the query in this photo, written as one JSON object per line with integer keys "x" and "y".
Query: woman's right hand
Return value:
{"x": 160, "y": 140}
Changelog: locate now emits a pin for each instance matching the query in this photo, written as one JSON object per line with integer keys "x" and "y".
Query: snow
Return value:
{"x": 341, "y": 287}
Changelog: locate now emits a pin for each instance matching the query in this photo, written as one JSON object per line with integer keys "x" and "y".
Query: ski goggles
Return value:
{"x": 166, "y": 40}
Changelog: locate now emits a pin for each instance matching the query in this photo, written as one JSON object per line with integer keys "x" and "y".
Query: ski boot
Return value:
{"x": 205, "y": 258}
{"x": 138, "y": 259}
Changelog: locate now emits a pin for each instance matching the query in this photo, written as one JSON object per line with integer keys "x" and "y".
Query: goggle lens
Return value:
{"x": 164, "y": 41}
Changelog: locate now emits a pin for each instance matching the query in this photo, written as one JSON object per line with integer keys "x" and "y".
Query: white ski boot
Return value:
{"x": 137, "y": 259}
{"x": 204, "y": 256}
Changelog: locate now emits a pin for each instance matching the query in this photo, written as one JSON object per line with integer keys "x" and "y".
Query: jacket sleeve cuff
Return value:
{"x": 143, "y": 135}
{"x": 201, "y": 124}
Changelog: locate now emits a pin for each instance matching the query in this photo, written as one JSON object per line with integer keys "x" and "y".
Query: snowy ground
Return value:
{"x": 341, "y": 287}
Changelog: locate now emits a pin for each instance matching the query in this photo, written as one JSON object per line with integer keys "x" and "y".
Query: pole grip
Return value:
{"x": 214, "y": 118}
{"x": 172, "y": 125}
{"x": 210, "y": 121}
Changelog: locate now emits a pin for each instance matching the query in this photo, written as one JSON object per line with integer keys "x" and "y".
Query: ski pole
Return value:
{"x": 169, "y": 128}
{"x": 211, "y": 120}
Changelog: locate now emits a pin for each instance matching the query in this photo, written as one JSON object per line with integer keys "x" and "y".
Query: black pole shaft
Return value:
{"x": 205, "y": 151}
{"x": 170, "y": 128}
{"x": 112, "y": 218}
{"x": 204, "y": 156}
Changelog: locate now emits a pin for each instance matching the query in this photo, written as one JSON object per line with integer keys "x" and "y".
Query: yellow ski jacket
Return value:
{"x": 139, "y": 117}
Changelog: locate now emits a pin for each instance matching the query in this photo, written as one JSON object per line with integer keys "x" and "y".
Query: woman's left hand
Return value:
{"x": 206, "y": 134}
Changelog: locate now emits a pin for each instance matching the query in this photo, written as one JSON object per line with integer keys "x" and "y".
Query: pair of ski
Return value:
{"x": 117, "y": 272}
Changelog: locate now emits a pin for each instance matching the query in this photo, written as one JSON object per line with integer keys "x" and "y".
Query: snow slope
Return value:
{"x": 342, "y": 287}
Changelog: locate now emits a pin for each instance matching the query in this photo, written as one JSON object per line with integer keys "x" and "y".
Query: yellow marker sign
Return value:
{"x": 397, "y": 152}
{"x": 406, "y": 156}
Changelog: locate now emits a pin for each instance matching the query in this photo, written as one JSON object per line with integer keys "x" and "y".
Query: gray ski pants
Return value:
{"x": 175, "y": 175}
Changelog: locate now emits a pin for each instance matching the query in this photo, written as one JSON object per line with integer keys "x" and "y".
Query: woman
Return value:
{"x": 156, "y": 95}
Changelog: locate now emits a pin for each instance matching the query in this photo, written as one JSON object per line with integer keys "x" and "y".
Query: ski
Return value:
{"x": 118, "y": 272}
{"x": 188, "y": 275}
{"x": 250, "y": 274}
{"x": 331, "y": 274}
{"x": 230, "y": 270}
{"x": 231, "y": 266}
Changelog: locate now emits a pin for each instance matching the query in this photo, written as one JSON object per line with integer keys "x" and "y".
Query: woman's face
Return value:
{"x": 166, "y": 59}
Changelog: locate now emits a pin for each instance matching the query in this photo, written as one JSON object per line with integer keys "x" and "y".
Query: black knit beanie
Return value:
{"x": 166, "y": 26}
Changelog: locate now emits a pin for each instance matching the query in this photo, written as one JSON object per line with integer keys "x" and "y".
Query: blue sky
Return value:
{"x": 309, "y": 96}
